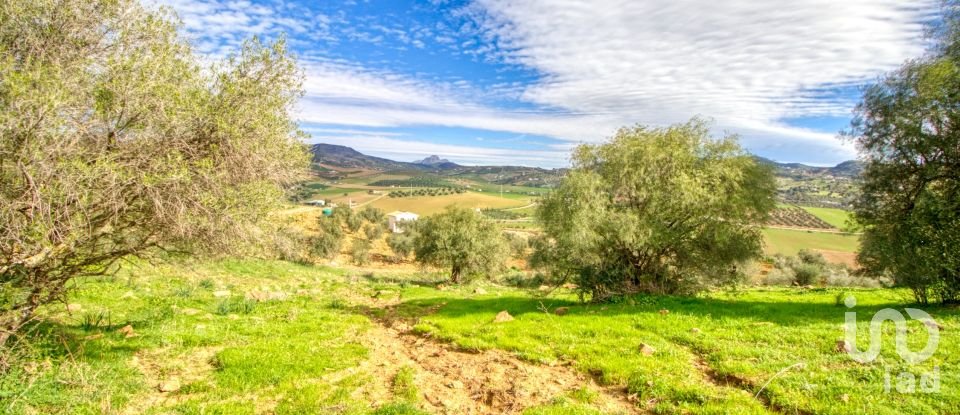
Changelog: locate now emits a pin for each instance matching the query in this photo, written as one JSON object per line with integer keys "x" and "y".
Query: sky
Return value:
{"x": 492, "y": 82}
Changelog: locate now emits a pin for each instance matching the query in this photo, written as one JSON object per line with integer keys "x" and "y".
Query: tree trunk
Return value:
{"x": 455, "y": 274}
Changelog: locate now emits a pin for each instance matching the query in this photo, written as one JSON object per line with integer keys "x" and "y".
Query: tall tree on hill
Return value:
{"x": 907, "y": 129}
{"x": 116, "y": 141}
{"x": 660, "y": 210}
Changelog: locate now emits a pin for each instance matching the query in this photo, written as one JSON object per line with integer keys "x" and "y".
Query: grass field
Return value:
{"x": 835, "y": 217}
{"x": 426, "y": 205}
{"x": 789, "y": 241}
{"x": 270, "y": 337}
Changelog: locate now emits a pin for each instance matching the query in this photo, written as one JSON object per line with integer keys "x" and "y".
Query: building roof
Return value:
{"x": 403, "y": 215}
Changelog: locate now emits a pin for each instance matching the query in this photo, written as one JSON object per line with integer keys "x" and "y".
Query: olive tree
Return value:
{"x": 659, "y": 210}
{"x": 907, "y": 129}
{"x": 116, "y": 140}
{"x": 460, "y": 240}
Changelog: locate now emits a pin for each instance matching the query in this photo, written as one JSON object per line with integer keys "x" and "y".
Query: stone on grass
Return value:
{"x": 561, "y": 311}
{"x": 221, "y": 293}
{"x": 479, "y": 290}
{"x": 74, "y": 307}
{"x": 695, "y": 330}
{"x": 127, "y": 331}
{"x": 647, "y": 349}
{"x": 503, "y": 317}
{"x": 170, "y": 385}
{"x": 843, "y": 347}
{"x": 664, "y": 311}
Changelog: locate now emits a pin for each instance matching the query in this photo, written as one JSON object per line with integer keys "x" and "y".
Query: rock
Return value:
{"x": 261, "y": 296}
{"x": 233, "y": 317}
{"x": 170, "y": 385}
{"x": 695, "y": 330}
{"x": 544, "y": 288}
{"x": 441, "y": 287}
{"x": 503, "y": 317}
{"x": 221, "y": 293}
{"x": 843, "y": 347}
{"x": 93, "y": 336}
{"x": 128, "y": 294}
{"x": 560, "y": 311}
{"x": 664, "y": 311}
{"x": 190, "y": 311}
{"x": 74, "y": 307}
{"x": 479, "y": 290}
{"x": 647, "y": 349}
{"x": 127, "y": 331}
{"x": 456, "y": 384}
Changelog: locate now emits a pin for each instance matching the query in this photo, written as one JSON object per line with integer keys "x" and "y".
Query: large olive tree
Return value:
{"x": 461, "y": 240}
{"x": 116, "y": 141}
{"x": 907, "y": 128}
{"x": 660, "y": 210}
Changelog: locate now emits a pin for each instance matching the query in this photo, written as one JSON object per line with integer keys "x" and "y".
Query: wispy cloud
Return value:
{"x": 597, "y": 65}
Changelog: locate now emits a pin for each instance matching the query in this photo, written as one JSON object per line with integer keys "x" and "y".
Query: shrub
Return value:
{"x": 402, "y": 244}
{"x": 461, "y": 240}
{"x": 373, "y": 231}
{"x": 360, "y": 251}
{"x": 806, "y": 274}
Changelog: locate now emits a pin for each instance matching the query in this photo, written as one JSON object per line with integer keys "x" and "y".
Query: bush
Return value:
{"x": 373, "y": 231}
{"x": 402, "y": 244}
{"x": 518, "y": 244}
{"x": 806, "y": 274}
{"x": 461, "y": 240}
{"x": 360, "y": 251}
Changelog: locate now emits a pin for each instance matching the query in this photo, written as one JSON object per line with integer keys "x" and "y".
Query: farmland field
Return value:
{"x": 250, "y": 336}
{"x": 789, "y": 241}
{"x": 425, "y": 205}
{"x": 835, "y": 217}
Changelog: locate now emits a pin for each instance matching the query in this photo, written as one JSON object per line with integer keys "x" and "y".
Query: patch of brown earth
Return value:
{"x": 166, "y": 375}
{"x": 489, "y": 382}
{"x": 839, "y": 257}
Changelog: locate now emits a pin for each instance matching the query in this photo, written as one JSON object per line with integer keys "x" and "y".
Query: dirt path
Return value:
{"x": 450, "y": 381}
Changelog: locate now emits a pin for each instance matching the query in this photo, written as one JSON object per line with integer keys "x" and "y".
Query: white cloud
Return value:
{"x": 604, "y": 64}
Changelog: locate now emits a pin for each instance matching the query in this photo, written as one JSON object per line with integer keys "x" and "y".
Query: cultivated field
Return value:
{"x": 790, "y": 241}
{"x": 425, "y": 205}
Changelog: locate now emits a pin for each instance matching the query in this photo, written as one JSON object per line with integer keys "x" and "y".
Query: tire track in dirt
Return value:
{"x": 451, "y": 381}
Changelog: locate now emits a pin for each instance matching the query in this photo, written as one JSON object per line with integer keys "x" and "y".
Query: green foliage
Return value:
{"x": 373, "y": 231}
{"x": 402, "y": 244}
{"x": 373, "y": 215}
{"x": 404, "y": 386}
{"x": 235, "y": 305}
{"x": 906, "y": 128}
{"x": 461, "y": 240}
{"x": 327, "y": 243}
{"x": 118, "y": 140}
{"x": 661, "y": 210}
{"x": 360, "y": 251}
{"x": 518, "y": 244}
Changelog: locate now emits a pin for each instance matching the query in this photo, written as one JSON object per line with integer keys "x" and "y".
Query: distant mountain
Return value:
{"x": 850, "y": 168}
{"x": 437, "y": 163}
{"x": 343, "y": 156}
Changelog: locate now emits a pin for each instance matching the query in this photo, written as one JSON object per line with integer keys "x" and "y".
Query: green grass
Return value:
{"x": 744, "y": 339}
{"x": 230, "y": 355}
{"x": 304, "y": 353}
{"x": 790, "y": 241}
{"x": 835, "y": 217}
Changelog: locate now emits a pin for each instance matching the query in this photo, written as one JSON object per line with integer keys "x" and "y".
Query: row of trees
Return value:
{"x": 438, "y": 191}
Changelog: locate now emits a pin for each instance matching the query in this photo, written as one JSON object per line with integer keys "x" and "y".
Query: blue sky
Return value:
{"x": 506, "y": 82}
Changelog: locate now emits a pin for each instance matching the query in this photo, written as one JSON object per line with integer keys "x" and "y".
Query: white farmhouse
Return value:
{"x": 396, "y": 218}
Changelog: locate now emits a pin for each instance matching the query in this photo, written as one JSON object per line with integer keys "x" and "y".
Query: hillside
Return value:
{"x": 343, "y": 156}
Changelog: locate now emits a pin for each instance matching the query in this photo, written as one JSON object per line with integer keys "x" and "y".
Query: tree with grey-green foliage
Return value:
{"x": 116, "y": 140}
{"x": 461, "y": 240}
{"x": 907, "y": 129}
{"x": 657, "y": 210}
